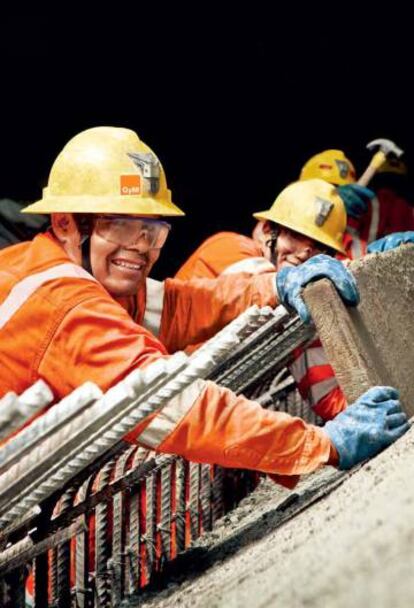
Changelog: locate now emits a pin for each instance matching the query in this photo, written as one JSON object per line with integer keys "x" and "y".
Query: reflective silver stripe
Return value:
{"x": 153, "y": 306}
{"x": 25, "y": 288}
{"x": 375, "y": 216}
{"x": 356, "y": 247}
{"x": 314, "y": 356}
{"x": 321, "y": 389}
{"x": 170, "y": 416}
{"x": 250, "y": 265}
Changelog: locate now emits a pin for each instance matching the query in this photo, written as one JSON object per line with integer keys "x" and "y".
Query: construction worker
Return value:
{"x": 371, "y": 215}
{"x": 308, "y": 218}
{"x": 61, "y": 318}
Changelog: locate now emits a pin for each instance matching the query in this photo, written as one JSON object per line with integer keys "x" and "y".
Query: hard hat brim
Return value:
{"x": 266, "y": 215}
{"x": 131, "y": 205}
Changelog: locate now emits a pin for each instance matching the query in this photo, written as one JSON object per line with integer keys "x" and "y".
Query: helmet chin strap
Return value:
{"x": 271, "y": 243}
{"x": 86, "y": 253}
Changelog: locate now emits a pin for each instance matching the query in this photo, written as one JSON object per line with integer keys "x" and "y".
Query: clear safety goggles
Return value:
{"x": 130, "y": 231}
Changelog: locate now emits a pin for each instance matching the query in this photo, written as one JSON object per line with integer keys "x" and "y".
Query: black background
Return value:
{"x": 233, "y": 100}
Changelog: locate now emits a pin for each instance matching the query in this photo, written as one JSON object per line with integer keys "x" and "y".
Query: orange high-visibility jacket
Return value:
{"x": 224, "y": 253}
{"x": 59, "y": 324}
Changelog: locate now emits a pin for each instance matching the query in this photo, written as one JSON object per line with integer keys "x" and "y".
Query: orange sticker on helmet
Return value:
{"x": 130, "y": 184}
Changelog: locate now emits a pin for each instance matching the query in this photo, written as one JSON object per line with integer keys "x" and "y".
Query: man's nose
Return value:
{"x": 142, "y": 246}
{"x": 304, "y": 254}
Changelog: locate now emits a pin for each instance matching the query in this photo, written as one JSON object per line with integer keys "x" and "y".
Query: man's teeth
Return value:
{"x": 129, "y": 265}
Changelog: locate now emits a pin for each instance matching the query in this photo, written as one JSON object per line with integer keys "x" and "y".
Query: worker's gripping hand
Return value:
{"x": 391, "y": 241}
{"x": 291, "y": 281}
{"x": 367, "y": 426}
{"x": 356, "y": 199}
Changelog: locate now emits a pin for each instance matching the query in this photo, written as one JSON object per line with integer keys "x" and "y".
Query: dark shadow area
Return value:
{"x": 233, "y": 101}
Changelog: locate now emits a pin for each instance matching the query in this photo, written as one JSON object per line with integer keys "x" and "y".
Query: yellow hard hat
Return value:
{"x": 312, "y": 208}
{"x": 106, "y": 170}
{"x": 332, "y": 166}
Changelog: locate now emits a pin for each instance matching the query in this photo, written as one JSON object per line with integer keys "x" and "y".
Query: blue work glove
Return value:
{"x": 391, "y": 241}
{"x": 367, "y": 426}
{"x": 356, "y": 199}
{"x": 290, "y": 282}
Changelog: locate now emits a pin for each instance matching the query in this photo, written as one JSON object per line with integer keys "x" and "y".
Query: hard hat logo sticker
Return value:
{"x": 343, "y": 168}
{"x": 323, "y": 207}
{"x": 149, "y": 166}
{"x": 130, "y": 184}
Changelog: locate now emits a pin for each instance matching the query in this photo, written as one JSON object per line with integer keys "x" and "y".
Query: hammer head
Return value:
{"x": 385, "y": 145}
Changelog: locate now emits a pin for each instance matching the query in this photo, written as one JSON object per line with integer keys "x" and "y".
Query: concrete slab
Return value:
{"x": 373, "y": 343}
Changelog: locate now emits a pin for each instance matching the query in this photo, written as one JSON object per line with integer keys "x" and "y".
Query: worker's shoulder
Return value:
{"x": 41, "y": 269}
{"x": 224, "y": 238}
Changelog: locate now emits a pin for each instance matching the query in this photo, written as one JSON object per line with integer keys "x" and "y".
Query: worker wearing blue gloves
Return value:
{"x": 356, "y": 199}
{"x": 305, "y": 226}
{"x": 391, "y": 241}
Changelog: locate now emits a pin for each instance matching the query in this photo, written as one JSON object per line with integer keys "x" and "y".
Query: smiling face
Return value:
{"x": 293, "y": 249}
{"x": 121, "y": 270}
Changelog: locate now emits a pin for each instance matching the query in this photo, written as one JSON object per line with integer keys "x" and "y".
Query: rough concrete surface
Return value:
{"x": 371, "y": 344}
{"x": 352, "y": 548}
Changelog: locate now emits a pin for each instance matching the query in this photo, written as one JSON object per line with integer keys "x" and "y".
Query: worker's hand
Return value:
{"x": 356, "y": 199}
{"x": 391, "y": 241}
{"x": 291, "y": 281}
{"x": 368, "y": 426}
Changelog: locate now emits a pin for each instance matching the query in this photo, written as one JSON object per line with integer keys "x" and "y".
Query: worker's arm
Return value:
{"x": 194, "y": 311}
{"x": 208, "y": 423}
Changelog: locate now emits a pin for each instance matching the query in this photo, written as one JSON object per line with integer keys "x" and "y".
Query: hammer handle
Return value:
{"x": 377, "y": 160}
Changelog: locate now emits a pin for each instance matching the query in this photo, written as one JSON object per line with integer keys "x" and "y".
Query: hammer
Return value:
{"x": 386, "y": 147}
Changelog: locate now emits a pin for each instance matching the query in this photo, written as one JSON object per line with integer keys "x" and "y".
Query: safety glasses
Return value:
{"x": 131, "y": 231}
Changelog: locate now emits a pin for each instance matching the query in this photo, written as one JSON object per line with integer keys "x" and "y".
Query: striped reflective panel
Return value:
{"x": 25, "y": 288}
{"x": 375, "y": 217}
{"x": 314, "y": 356}
{"x": 321, "y": 389}
{"x": 153, "y": 306}
{"x": 313, "y": 383}
{"x": 250, "y": 265}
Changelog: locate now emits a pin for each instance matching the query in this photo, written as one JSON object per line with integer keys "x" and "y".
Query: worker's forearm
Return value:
{"x": 194, "y": 311}
{"x": 211, "y": 424}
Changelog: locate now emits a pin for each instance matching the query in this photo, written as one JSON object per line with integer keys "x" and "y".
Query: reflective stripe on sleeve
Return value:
{"x": 314, "y": 356}
{"x": 250, "y": 265}
{"x": 356, "y": 245}
{"x": 170, "y": 416}
{"x": 375, "y": 217}
{"x": 153, "y": 306}
{"x": 321, "y": 389}
{"x": 25, "y": 288}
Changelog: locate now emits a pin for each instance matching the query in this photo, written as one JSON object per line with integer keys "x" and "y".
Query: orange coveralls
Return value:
{"x": 59, "y": 324}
